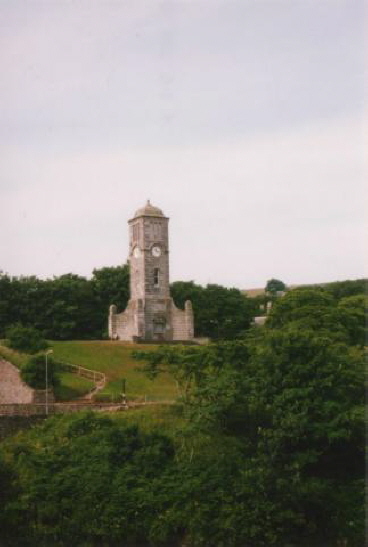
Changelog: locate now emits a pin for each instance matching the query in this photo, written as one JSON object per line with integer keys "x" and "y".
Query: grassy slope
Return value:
{"x": 116, "y": 361}
{"x": 18, "y": 359}
{"x": 72, "y": 386}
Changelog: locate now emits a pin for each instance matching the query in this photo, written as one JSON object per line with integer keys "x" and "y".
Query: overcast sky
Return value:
{"x": 241, "y": 119}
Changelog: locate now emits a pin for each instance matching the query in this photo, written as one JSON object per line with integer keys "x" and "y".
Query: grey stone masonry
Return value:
{"x": 12, "y": 389}
{"x": 151, "y": 314}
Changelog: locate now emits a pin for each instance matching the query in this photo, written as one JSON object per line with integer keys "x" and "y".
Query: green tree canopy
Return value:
{"x": 275, "y": 285}
{"x": 88, "y": 480}
{"x": 34, "y": 372}
{"x": 25, "y": 339}
{"x": 219, "y": 312}
{"x": 65, "y": 307}
{"x": 316, "y": 308}
{"x": 294, "y": 397}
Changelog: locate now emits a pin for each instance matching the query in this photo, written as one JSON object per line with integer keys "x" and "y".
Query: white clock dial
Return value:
{"x": 156, "y": 251}
{"x": 137, "y": 252}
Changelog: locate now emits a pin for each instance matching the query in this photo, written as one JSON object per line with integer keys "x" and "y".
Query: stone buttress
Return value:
{"x": 151, "y": 314}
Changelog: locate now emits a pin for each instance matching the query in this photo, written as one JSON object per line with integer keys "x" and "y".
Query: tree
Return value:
{"x": 110, "y": 286}
{"x": 9, "y": 492}
{"x": 71, "y": 312}
{"x": 342, "y": 289}
{"x": 315, "y": 308}
{"x": 294, "y": 398}
{"x": 25, "y": 339}
{"x": 352, "y": 314}
{"x": 108, "y": 473}
{"x": 275, "y": 285}
{"x": 34, "y": 372}
{"x": 219, "y": 312}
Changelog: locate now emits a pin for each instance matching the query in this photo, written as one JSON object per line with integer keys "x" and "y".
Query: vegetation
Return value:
{"x": 71, "y": 386}
{"x": 115, "y": 359}
{"x": 317, "y": 309}
{"x": 18, "y": 359}
{"x": 25, "y": 339}
{"x": 292, "y": 399}
{"x": 65, "y": 307}
{"x": 220, "y": 313}
{"x": 275, "y": 285}
{"x": 71, "y": 307}
{"x": 33, "y": 372}
{"x": 264, "y": 448}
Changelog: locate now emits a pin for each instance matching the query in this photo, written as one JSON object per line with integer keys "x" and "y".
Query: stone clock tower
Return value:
{"x": 151, "y": 314}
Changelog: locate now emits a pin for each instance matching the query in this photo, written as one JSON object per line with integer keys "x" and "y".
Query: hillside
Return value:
{"x": 116, "y": 361}
{"x": 333, "y": 286}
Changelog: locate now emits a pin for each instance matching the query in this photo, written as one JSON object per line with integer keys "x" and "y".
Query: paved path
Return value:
{"x": 12, "y": 389}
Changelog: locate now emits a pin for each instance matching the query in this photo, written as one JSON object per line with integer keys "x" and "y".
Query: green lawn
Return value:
{"x": 72, "y": 387}
{"x": 116, "y": 361}
{"x": 13, "y": 356}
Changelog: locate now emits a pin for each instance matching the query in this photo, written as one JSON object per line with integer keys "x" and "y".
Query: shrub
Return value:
{"x": 34, "y": 372}
{"x": 25, "y": 339}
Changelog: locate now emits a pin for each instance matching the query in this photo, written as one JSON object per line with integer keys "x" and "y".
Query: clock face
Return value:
{"x": 156, "y": 251}
{"x": 137, "y": 252}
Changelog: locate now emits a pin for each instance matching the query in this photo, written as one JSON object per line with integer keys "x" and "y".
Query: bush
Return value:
{"x": 34, "y": 372}
{"x": 25, "y": 339}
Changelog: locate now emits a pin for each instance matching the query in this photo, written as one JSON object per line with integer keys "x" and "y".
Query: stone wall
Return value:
{"x": 123, "y": 326}
{"x": 14, "y": 391}
{"x": 182, "y": 322}
{"x": 12, "y": 388}
{"x": 39, "y": 396}
{"x": 137, "y": 321}
{"x": 35, "y": 409}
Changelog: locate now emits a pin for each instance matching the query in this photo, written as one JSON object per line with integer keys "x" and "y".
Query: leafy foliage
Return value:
{"x": 73, "y": 307}
{"x": 342, "y": 289}
{"x": 110, "y": 286}
{"x": 9, "y": 492}
{"x": 65, "y": 307}
{"x": 275, "y": 285}
{"x": 25, "y": 339}
{"x": 219, "y": 313}
{"x": 317, "y": 309}
{"x": 34, "y": 372}
{"x": 90, "y": 479}
{"x": 269, "y": 450}
{"x": 294, "y": 399}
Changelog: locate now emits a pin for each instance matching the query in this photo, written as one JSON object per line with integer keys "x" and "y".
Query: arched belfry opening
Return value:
{"x": 151, "y": 314}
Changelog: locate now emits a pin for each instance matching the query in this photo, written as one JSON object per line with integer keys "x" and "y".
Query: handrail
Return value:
{"x": 96, "y": 376}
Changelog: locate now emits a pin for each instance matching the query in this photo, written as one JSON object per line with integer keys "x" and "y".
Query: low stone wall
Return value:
{"x": 55, "y": 408}
{"x": 39, "y": 396}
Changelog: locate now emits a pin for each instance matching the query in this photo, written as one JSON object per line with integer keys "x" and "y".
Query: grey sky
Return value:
{"x": 241, "y": 119}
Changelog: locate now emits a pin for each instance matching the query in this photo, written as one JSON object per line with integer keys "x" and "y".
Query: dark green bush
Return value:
{"x": 34, "y": 372}
{"x": 25, "y": 339}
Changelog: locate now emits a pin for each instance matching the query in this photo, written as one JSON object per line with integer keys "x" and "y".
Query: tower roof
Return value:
{"x": 148, "y": 211}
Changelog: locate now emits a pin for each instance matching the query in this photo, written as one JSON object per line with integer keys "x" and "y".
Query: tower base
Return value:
{"x": 152, "y": 320}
